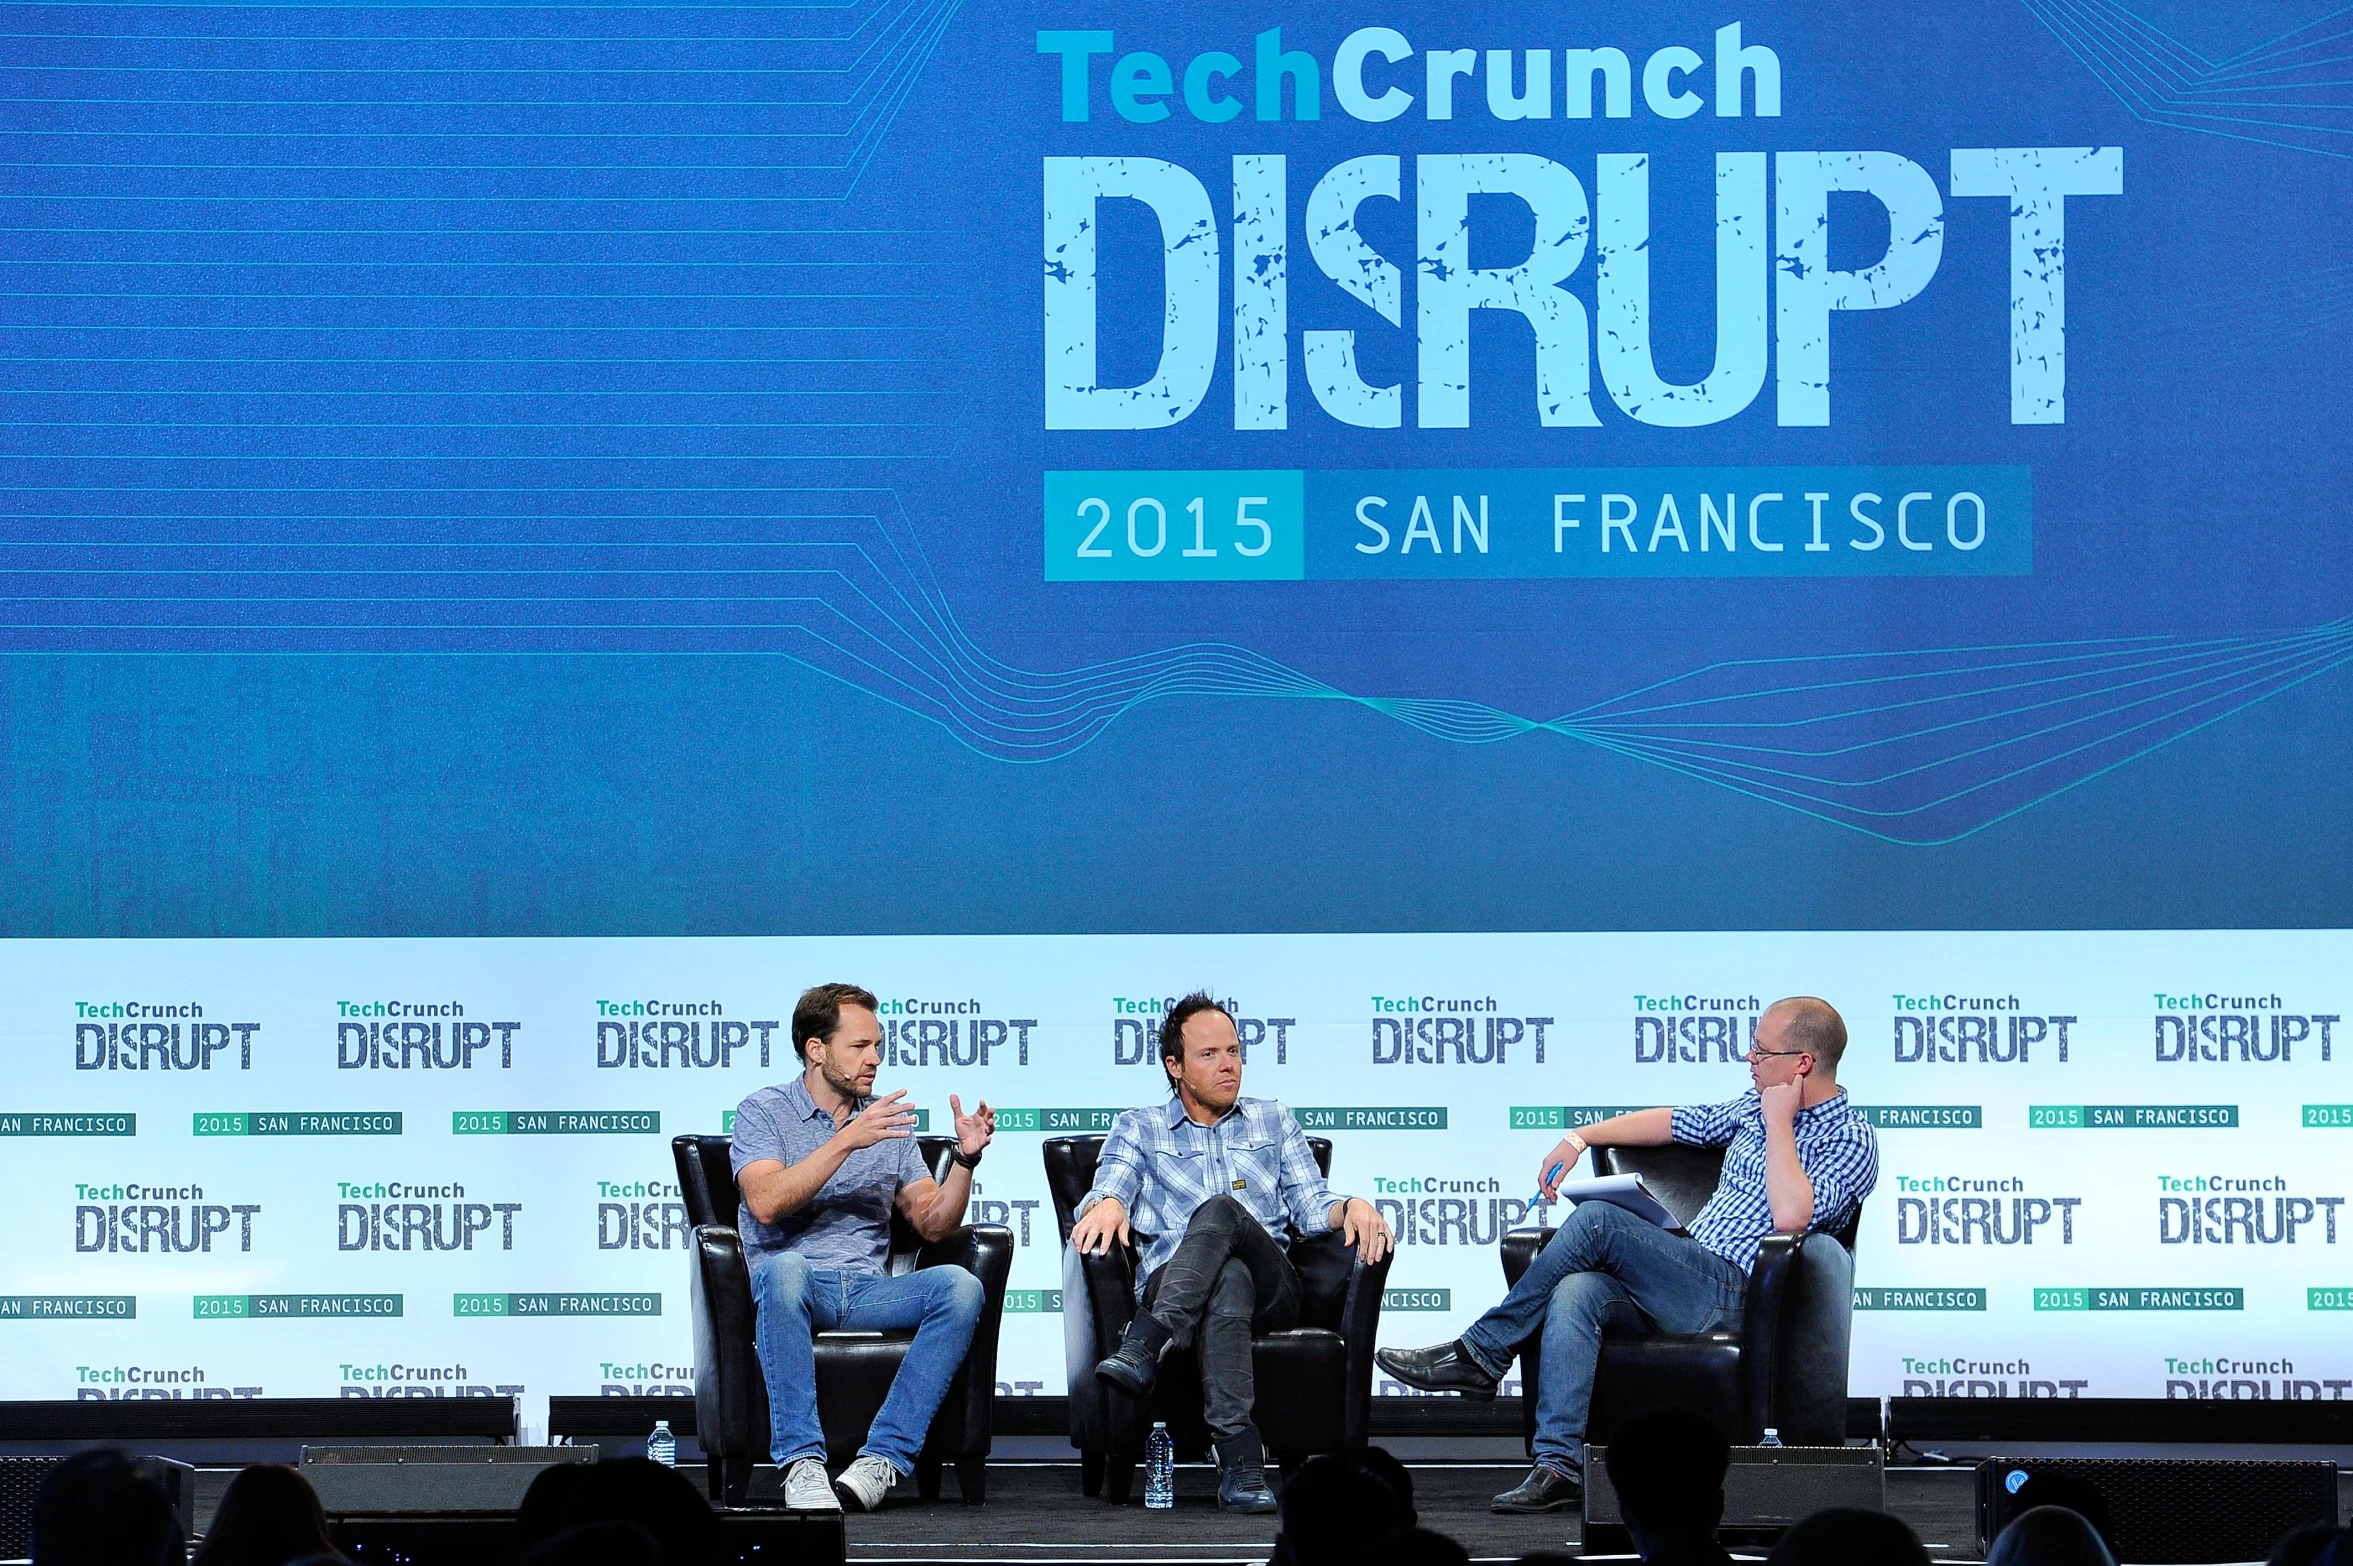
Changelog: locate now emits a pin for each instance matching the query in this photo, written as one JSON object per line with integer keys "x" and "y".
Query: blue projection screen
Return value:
{"x": 1420, "y": 518}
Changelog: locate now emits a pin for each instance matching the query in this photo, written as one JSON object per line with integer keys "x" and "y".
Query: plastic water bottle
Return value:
{"x": 1159, "y": 1469}
{"x": 662, "y": 1446}
{"x": 1772, "y": 1437}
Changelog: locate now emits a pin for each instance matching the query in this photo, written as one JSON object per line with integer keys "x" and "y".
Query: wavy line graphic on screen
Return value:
{"x": 2291, "y": 90}
{"x": 1914, "y": 747}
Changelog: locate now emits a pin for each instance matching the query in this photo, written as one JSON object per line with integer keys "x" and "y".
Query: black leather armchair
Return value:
{"x": 1786, "y": 1366}
{"x": 854, "y": 1369}
{"x": 1315, "y": 1381}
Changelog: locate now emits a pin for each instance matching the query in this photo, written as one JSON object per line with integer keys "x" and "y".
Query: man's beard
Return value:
{"x": 847, "y": 1087}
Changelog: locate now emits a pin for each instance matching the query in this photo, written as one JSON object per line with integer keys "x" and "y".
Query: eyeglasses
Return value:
{"x": 1770, "y": 1053}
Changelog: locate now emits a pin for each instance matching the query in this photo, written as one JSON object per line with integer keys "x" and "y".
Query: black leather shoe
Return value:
{"x": 1446, "y": 1368}
{"x": 1544, "y": 1490}
{"x": 1241, "y": 1475}
{"x": 1136, "y": 1361}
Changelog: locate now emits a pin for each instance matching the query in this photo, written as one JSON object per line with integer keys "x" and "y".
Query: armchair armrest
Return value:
{"x": 730, "y": 1396}
{"x": 985, "y": 1251}
{"x": 1761, "y": 1326}
{"x": 1360, "y": 1324}
{"x": 1520, "y": 1250}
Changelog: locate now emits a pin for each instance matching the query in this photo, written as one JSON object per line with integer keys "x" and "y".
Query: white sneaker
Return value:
{"x": 866, "y": 1481}
{"x": 806, "y": 1489}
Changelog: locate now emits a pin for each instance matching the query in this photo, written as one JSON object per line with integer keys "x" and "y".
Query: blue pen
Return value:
{"x": 1550, "y": 1175}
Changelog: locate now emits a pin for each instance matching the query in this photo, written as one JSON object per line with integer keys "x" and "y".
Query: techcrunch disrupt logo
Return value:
{"x": 644, "y": 1378}
{"x": 394, "y": 1216}
{"x": 160, "y": 1046}
{"x": 703, "y": 1043}
{"x": 1965, "y": 1210}
{"x": 1958, "y": 1034}
{"x": 2219, "y": 1376}
{"x": 2242, "y": 1035}
{"x": 2235, "y": 1210}
{"x": 640, "y": 1215}
{"x": 420, "y": 1046}
{"x": 150, "y": 1219}
{"x": 1135, "y": 1030}
{"x": 1436, "y": 1030}
{"x": 1475, "y": 1218}
{"x": 1960, "y": 1376}
{"x": 420, "y": 1381}
{"x": 140, "y": 1383}
{"x": 962, "y": 1037}
{"x": 1697, "y": 1030}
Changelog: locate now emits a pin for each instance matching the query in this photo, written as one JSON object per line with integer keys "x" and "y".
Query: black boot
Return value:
{"x": 1137, "y": 1360}
{"x": 1241, "y": 1475}
{"x": 1446, "y": 1368}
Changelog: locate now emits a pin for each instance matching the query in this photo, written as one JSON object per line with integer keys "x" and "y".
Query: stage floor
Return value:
{"x": 1036, "y": 1516}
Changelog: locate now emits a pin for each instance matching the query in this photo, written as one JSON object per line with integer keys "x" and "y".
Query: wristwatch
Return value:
{"x": 968, "y": 1160}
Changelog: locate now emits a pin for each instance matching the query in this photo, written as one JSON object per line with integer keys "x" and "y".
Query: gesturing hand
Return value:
{"x": 1363, "y": 1227}
{"x": 974, "y": 1130}
{"x": 1104, "y": 1222}
{"x": 881, "y": 1120}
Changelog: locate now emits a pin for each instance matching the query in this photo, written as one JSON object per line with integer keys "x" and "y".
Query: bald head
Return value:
{"x": 1813, "y": 1025}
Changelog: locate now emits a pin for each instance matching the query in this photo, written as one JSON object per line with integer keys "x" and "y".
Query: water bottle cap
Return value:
{"x": 1160, "y": 1424}
{"x": 661, "y": 1424}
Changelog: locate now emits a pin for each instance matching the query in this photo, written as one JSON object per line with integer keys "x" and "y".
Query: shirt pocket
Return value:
{"x": 1257, "y": 1162}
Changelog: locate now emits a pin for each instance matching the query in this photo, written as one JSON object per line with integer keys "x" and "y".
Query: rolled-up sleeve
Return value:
{"x": 1712, "y": 1125}
{"x": 1842, "y": 1172}
{"x": 1307, "y": 1198}
{"x": 1119, "y": 1168}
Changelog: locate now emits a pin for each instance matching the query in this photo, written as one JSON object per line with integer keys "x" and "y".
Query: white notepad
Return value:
{"x": 1627, "y": 1191}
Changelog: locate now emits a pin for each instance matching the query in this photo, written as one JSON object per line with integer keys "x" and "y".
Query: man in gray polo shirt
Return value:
{"x": 822, "y": 1163}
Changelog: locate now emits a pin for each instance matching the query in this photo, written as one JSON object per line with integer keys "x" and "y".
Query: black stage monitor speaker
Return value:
{"x": 440, "y": 1481}
{"x": 1768, "y": 1489}
{"x": 2162, "y": 1510}
{"x": 20, "y": 1483}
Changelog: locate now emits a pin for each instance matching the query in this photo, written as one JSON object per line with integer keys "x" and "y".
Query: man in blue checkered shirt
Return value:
{"x": 1797, "y": 1158}
{"x": 1211, "y": 1184}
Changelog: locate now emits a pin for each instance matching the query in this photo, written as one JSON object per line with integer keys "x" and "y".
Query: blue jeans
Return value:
{"x": 1604, "y": 1270}
{"x": 797, "y": 1301}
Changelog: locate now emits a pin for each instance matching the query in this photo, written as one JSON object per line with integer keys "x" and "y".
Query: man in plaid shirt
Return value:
{"x": 1211, "y": 1183}
{"x": 1797, "y": 1158}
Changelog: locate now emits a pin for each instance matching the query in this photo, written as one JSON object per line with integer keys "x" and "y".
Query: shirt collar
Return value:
{"x": 1838, "y": 1098}
{"x": 1178, "y": 1118}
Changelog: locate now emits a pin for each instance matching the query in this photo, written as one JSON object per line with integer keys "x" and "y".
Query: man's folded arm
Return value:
{"x": 1119, "y": 1169}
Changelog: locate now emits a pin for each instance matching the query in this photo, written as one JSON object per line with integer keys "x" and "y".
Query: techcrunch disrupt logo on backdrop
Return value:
{"x": 1978, "y": 1210}
{"x": 1135, "y": 1030}
{"x": 391, "y": 1035}
{"x": 1435, "y": 1209}
{"x": 2236, "y": 1380}
{"x": 642, "y": 1215}
{"x": 1694, "y": 1029}
{"x": 1958, "y": 1375}
{"x": 392, "y": 1215}
{"x": 155, "y": 1036}
{"x": 2217, "y": 1026}
{"x": 2214, "y": 1209}
{"x": 689, "y": 1035}
{"x": 1436, "y": 1030}
{"x": 132, "y": 1218}
{"x": 920, "y": 1032}
{"x": 151, "y": 1383}
{"x": 1951, "y": 1028}
{"x": 382, "y": 1380}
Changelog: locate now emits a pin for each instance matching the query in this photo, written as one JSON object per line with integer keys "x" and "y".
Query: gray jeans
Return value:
{"x": 1228, "y": 1279}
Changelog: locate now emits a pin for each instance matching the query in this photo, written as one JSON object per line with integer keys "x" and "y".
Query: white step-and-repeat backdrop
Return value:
{"x": 2112, "y": 1164}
